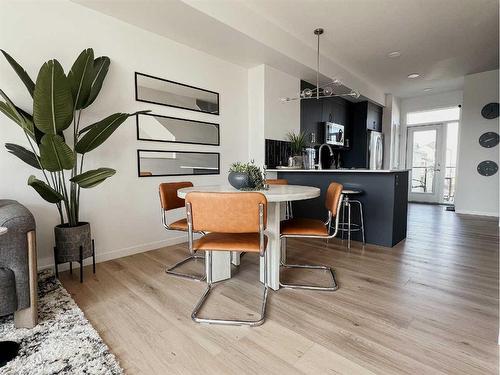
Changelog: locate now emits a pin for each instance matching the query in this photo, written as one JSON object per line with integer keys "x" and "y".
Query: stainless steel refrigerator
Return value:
{"x": 375, "y": 150}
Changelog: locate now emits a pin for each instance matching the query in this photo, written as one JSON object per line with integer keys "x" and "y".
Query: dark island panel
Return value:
{"x": 385, "y": 201}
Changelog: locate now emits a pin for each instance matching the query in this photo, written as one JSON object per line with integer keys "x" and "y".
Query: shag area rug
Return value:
{"x": 63, "y": 342}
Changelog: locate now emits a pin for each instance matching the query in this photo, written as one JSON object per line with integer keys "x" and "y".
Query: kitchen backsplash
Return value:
{"x": 277, "y": 153}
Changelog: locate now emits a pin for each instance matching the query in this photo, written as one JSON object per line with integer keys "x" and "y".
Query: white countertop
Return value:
{"x": 339, "y": 170}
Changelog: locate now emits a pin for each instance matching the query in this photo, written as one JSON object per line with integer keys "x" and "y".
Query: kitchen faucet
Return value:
{"x": 319, "y": 154}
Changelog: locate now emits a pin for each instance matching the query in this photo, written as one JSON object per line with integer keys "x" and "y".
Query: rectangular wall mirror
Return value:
{"x": 177, "y": 163}
{"x": 171, "y": 129}
{"x": 156, "y": 90}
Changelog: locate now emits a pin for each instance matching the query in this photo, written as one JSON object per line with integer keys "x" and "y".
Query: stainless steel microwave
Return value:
{"x": 334, "y": 134}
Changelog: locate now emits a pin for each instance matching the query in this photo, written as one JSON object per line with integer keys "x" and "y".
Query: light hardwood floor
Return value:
{"x": 427, "y": 306}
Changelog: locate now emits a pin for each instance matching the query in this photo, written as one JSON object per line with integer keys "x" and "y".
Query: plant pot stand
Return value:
{"x": 80, "y": 260}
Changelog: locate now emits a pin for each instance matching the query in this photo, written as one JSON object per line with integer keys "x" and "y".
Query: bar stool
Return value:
{"x": 233, "y": 221}
{"x": 170, "y": 201}
{"x": 312, "y": 228}
{"x": 348, "y": 226}
{"x": 288, "y": 207}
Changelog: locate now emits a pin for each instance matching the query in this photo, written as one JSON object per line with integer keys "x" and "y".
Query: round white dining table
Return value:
{"x": 276, "y": 194}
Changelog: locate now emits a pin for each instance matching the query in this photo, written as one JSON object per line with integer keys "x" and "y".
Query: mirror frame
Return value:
{"x": 215, "y": 172}
{"x": 176, "y": 83}
{"x": 177, "y": 118}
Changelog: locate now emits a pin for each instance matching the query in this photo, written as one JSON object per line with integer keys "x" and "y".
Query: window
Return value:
{"x": 433, "y": 116}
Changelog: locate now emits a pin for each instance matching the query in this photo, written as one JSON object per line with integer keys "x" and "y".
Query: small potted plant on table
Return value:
{"x": 246, "y": 176}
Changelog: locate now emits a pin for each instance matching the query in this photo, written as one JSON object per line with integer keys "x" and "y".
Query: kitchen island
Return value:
{"x": 384, "y": 198}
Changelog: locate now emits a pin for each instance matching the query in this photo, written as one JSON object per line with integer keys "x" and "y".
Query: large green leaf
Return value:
{"x": 55, "y": 154}
{"x": 101, "y": 66}
{"x": 93, "y": 177}
{"x": 45, "y": 191}
{"x": 25, "y": 155}
{"x": 53, "y": 102}
{"x": 28, "y": 82}
{"x": 16, "y": 114}
{"x": 100, "y": 131}
{"x": 81, "y": 76}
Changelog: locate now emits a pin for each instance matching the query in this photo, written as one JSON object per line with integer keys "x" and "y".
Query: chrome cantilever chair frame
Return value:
{"x": 262, "y": 252}
{"x": 328, "y": 224}
{"x": 192, "y": 257}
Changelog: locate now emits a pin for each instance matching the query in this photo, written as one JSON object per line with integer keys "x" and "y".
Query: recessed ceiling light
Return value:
{"x": 413, "y": 75}
{"x": 427, "y": 89}
{"x": 394, "y": 54}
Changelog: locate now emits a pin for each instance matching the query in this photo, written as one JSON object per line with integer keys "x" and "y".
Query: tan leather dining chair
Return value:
{"x": 312, "y": 228}
{"x": 232, "y": 221}
{"x": 170, "y": 201}
{"x": 282, "y": 181}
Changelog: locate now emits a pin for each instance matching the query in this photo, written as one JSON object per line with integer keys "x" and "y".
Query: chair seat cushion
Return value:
{"x": 8, "y": 297}
{"x": 229, "y": 242}
{"x": 179, "y": 225}
{"x": 305, "y": 227}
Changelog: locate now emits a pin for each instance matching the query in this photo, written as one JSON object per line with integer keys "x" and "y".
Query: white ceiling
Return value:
{"x": 441, "y": 39}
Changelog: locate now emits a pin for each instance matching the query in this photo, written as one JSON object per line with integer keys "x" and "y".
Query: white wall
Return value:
{"x": 123, "y": 211}
{"x": 391, "y": 127}
{"x": 268, "y": 116}
{"x": 424, "y": 103}
{"x": 280, "y": 118}
{"x": 256, "y": 114}
{"x": 477, "y": 194}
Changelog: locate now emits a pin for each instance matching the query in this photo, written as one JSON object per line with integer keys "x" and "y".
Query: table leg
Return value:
{"x": 221, "y": 265}
{"x": 273, "y": 246}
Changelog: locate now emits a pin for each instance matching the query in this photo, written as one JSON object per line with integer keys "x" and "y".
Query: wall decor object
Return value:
{"x": 152, "y": 163}
{"x": 487, "y": 168}
{"x": 489, "y": 139}
{"x": 161, "y": 91}
{"x": 490, "y": 111}
{"x": 158, "y": 128}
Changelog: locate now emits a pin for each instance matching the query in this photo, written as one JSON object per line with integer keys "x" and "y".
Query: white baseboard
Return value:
{"x": 48, "y": 262}
{"x": 476, "y": 213}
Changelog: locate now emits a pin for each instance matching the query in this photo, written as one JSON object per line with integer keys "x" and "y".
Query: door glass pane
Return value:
{"x": 423, "y": 161}
{"x": 451, "y": 162}
{"x": 435, "y": 115}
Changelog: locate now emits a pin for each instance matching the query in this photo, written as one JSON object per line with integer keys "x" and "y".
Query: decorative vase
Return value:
{"x": 70, "y": 239}
{"x": 239, "y": 180}
{"x": 298, "y": 161}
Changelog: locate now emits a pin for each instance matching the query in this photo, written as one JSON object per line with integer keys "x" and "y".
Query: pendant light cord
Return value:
{"x": 317, "y": 71}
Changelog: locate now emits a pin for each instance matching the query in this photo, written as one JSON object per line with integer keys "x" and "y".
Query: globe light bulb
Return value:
{"x": 327, "y": 91}
{"x": 307, "y": 93}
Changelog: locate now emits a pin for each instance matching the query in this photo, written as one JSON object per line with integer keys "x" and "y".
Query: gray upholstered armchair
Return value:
{"x": 18, "y": 270}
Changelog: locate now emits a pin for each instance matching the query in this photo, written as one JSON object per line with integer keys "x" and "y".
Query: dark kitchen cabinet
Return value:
{"x": 364, "y": 117}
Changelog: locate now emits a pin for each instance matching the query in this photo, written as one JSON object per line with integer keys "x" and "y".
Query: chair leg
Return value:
{"x": 362, "y": 224}
{"x": 349, "y": 225}
{"x": 55, "y": 262}
{"x": 334, "y": 286}
{"x": 253, "y": 323}
{"x": 81, "y": 264}
{"x": 71, "y": 268}
{"x": 170, "y": 270}
{"x": 93, "y": 256}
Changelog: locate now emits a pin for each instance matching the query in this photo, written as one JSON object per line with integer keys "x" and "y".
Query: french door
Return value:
{"x": 425, "y": 158}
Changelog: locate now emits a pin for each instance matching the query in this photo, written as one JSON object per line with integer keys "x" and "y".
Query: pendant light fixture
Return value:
{"x": 325, "y": 91}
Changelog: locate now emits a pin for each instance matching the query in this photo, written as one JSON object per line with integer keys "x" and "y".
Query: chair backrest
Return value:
{"x": 276, "y": 181}
{"x": 168, "y": 194}
{"x": 227, "y": 212}
{"x": 333, "y": 195}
